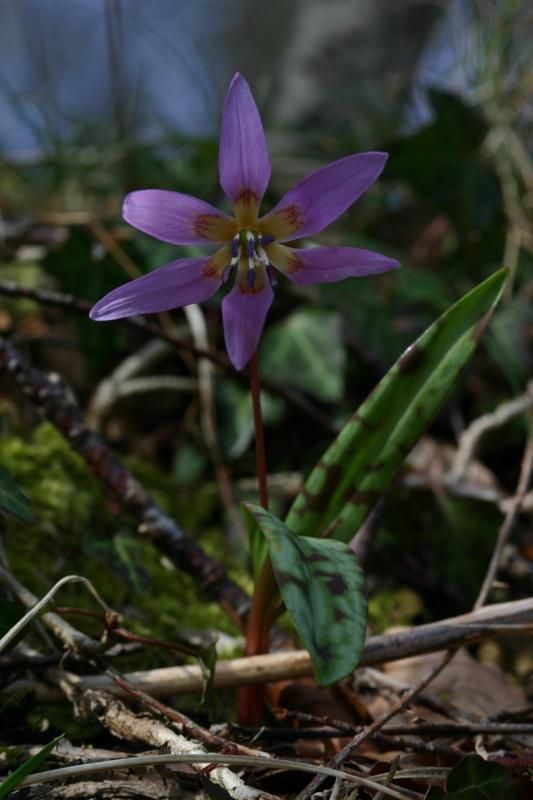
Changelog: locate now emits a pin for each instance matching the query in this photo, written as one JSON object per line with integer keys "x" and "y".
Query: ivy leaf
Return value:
{"x": 322, "y": 586}
{"x": 473, "y": 778}
{"x": 29, "y": 766}
{"x": 359, "y": 465}
{"x": 306, "y": 351}
{"x": 13, "y": 500}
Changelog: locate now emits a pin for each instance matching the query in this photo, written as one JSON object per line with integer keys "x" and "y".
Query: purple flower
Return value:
{"x": 250, "y": 245}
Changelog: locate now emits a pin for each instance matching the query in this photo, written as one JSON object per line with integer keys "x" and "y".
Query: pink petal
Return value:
{"x": 328, "y": 264}
{"x": 243, "y": 161}
{"x": 321, "y": 197}
{"x": 177, "y": 218}
{"x": 244, "y": 313}
{"x": 189, "y": 280}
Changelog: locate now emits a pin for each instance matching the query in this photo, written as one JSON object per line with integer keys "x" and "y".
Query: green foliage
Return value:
{"x": 234, "y": 406}
{"x": 473, "y": 778}
{"x": 322, "y": 586}
{"x": 29, "y": 766}
{"x": 306, "y": 351}
{"x": 74, "y": 521}
{"x": 12, "y": 500}
{"x": 361, "y": 462}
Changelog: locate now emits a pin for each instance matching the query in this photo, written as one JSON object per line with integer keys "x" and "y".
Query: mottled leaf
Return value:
{"x": 306, "y": 351}
{"x": 356, "y": 469}
{"x": 13, "y": 500}
{"x": 322, "y": 586}
{"x": 473, "y": 778}
{"x": 29, "y": 766}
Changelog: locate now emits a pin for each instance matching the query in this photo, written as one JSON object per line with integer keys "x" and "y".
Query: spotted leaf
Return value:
{"x": 357, "y": 468}
{"x": 322, "y": 586}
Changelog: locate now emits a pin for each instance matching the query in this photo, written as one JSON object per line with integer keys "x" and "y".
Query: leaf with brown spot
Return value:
{"x": 359, "y": 465}
{"x": 322, "y": 586}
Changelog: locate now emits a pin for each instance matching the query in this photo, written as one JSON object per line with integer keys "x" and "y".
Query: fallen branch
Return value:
{"x": 502, "y": 619}
{"x": 53, "y": 400}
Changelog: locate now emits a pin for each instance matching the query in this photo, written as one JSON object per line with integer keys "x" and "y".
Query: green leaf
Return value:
{"x": 322, "y": 586}
{"x": 356, "y": 469}
{"x": 13, "y": 500}
{"x": 306, "y": 351}
{"x": 473, "y": 778}
{"x": 29, "y": 766}
{"x": 207, "y": 659}
{"x": 234, "y": 407}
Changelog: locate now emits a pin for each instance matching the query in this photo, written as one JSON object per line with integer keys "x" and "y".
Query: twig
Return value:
{"x": 507, "y": 525}
{"x": 68, "y": 301}
{"x": 403, "y": 703}
{"x": 53, "y": 400}
{"x": 502, "y": 619}
{"x": 208, "y": 418}
{"x": 215, "y": 758}
{"x": 470, "y": 438}
{"x": 72, "y": 638}
{"x": 125, "y": 725}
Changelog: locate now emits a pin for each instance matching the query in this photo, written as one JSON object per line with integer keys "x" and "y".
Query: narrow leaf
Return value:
{"x": 356, "y": 469}
{"x": 29, "y": 766}
{"x": 13, "y": 500}
{"x": 322, "y": 586}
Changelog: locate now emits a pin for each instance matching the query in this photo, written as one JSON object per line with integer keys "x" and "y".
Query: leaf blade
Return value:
{"x": 29, "y": 766}
{"x": 322, "y": 586}
{"x": 358, "y": 466}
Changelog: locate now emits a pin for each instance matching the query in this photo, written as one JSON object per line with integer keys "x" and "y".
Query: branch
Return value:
{"x": 502, "y": 619}
{"x": 51, "y": 397}
{"x": 68, "y": 301}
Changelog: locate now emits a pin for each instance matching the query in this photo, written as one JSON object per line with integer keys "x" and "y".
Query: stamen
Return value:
{"x": 264, "y": 240}
{"x": 235, "y": 247}
{"x": 272, "y": 277}
{"x": 250, "y": 278}
{"x": 250, "y": 248}
{"x": 262, "y": 256}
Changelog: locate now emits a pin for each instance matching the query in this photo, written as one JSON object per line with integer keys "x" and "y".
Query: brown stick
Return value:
{"x": 53, "y": 401}
{"x": 502, "y": 619}
{"x": 68, "y": 301}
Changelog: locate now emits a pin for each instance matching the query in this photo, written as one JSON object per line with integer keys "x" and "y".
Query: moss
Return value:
{"x": 387, "y": 609}
{"x": 77, "y": 533}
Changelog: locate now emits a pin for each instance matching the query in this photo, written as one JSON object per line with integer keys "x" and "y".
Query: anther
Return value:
{"x": 264, "y": 240}
{"x": 235, "y": 247}
{"x": 250, "y": 278}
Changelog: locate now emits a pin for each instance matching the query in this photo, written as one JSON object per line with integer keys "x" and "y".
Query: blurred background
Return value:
{"x": 99, "y": 97}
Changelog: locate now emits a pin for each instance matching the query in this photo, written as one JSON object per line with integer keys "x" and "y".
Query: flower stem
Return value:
{"x": 259, "y": 435}
{"x": 257, "y": 635}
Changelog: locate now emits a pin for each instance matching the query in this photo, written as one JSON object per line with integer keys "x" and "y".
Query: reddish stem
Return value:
{"x": 259, "y": 435}
{"x": 257, "y": 635}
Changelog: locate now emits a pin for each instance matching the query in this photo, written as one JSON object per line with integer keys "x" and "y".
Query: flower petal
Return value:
{"x": 243, "y": 161}
{"x": 327, "y": 264}
{"x": 177, "y": 218}
{"x": 189, "y": 280}
{"x": 321, "y": 197}
{"x": 244, "y": 312}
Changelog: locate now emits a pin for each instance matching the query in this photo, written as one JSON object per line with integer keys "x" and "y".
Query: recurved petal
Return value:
{"x": 321, "y": 197}
{"x": 243, "y": 314}
{"x": 177, "y": 218}
{"x": 180, "y": 283}
{"x": 328, "y": 264}
{"x": 243, "y": 161}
